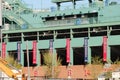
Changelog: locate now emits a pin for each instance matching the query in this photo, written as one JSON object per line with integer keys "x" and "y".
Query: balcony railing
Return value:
{"x": 78, "y": 21}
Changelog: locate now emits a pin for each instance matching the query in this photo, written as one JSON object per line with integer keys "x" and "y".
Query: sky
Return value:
{"x": 36, "y": 4}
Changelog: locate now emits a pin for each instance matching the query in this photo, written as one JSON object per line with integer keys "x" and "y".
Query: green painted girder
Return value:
{"x": 95, "y": 41}
{"x": 65, "y": 27}
{"x": 61, "y": 43}
{"x": 114, "y": 40}
{"x": 77, "y": 42}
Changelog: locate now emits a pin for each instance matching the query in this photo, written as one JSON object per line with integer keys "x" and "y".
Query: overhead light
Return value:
{"x": 44, "y": 33}
{"x": 63, "y": 17}
{"x": 110, "y": 28}
{"x": 82, "y": 16}
{"x": 55, "y": 18}
{"x": 75, "y": 16}
{"x": 95, "y": 30}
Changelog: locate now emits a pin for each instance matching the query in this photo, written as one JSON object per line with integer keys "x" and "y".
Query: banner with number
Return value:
{"x": 51, "y": 45}
{"x": 3, "y": 50}
{"x": 67, "y": 50}
{"x": 34, "y": 52}
{"x": 104, "y": 48}
{"x": 19, "y": 51}
{"x": 86, "y": 49}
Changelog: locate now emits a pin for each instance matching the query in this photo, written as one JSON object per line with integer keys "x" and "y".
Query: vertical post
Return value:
{"x": 71, "y": 56}
{"x": 53, "y": 53}
{"x": 0, "y": 13}
{"x": 74, "y": 4}
{"x": 38, "y": 58}
{"x": 53, "y": 65}
{"x": 88, "y": 32}
{"x": 28, "y": 60}
{"x": 37, "y": 36}
{"x": 53, "y": 58}
{"x": 1, "y": 40}
{"x": 22, "y": 37}
{"x": 1, "y": 25}
{"x": 108, "y": 54}
{"x": 89, "y": 55}
{"x": 22, "y": 56}
{"x": 58, "y": 6}
{"x": 71, "y": 49}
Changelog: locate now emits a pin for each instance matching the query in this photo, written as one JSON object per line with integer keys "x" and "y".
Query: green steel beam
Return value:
{"x": 38, "y": 57}
{"x": 114, "y": 40}
{"x": 108, "y": 53}
{"x": 22, "y": 55}
{"x": 61, "y": 43}
{"x": 65, "y": 27}
{"x": 89, "y": 55}
{"x": 71, "y": 56}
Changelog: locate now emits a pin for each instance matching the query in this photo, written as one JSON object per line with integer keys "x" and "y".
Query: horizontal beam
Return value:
{"x": 62, "y": 28}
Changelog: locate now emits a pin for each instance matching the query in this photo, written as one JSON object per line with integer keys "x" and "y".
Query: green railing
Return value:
{"x": 78, "y": 21}
{"x": 16, "y": 18}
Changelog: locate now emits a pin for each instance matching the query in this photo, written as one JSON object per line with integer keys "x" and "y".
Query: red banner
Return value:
{"x": 34, "y": 51}
{"x": 68, "y": 50}
{"x": 105, "y": 48}
{"x": 3, "y": 50}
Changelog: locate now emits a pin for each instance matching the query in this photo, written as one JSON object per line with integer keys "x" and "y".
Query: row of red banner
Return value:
{"x": 34, "y": 50}
{"x": 86, "y": 49}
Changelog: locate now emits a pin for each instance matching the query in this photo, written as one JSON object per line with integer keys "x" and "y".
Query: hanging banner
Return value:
{"x": 86, "y": 49}
{"x": 3, "y": 50}
{"x": 68, "y": 50}
{"x": 51, "y": 45}
{"x": 34, "y": 52}
{"x": 104, "y": 48}
{"x": 19, "y": 51}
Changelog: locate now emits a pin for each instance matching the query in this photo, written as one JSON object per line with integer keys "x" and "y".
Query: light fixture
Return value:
{"x": 95, "y": 30}
{"x": 82, "y": 16}
{"x": 75, "y": 16}
{"x": 44, "y": 33}
{"x": 55, "y": 18}
{"x": 63, "y": 17}
{"x": 110, "y": 28}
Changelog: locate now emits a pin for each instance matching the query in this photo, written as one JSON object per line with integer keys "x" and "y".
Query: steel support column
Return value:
{"x": 71, "y": 56}
{"x": 108, "y": 54}
{"x": 22, "y": 56}
{"x": 89, "y": 55}
{"x": 38, "y": 58}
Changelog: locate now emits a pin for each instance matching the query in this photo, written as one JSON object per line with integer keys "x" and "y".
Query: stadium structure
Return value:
{"x": 75, "y": 35}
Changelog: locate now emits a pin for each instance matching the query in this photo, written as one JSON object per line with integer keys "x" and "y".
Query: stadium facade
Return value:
{"x": 75, "y": 35}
